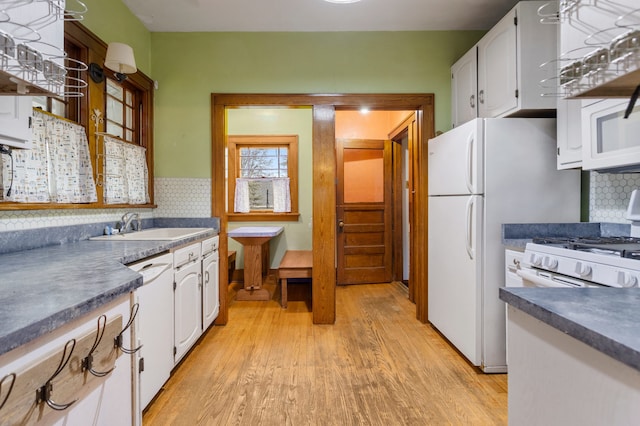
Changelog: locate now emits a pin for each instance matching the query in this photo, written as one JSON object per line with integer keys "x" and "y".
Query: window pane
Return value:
{"x": 261, "y": 194}
{"x": 263, "y": 162}
{"x": 114, "y": 110}
{"x": 129, "y": 98}
{"x": 129, "y": 136}
{"x": 363, "y": 176}
{"x": 129, "y": 121}
{"x": 114, "y": 129}
{"x": 114, "y": 90}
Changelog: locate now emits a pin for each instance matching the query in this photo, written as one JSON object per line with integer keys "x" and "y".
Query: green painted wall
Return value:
{"x": 191, "y": 66}
{"x": 296, "y": 235}
{"x": 111, "y": 20}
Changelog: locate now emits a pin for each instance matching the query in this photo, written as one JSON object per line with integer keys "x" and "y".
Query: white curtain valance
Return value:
{"x": 281, "y": 195}
{"x": 241, "y": 197}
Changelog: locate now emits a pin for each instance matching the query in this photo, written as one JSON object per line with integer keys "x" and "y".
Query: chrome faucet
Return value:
{"x": 127, "y": 221}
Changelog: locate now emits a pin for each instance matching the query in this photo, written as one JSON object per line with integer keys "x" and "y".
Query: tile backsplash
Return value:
{"x": 175, "y": 197}
{"x": 609, "y": 195}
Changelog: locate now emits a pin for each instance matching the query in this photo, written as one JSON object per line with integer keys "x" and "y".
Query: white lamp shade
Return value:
{"x": 120, "y": 58}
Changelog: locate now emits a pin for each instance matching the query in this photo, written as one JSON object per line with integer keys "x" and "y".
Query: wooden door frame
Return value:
{"x": 406, "y": 128}
{"x": 324, "y": 191}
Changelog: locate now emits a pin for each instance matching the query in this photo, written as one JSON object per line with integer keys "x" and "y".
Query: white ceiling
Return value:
{"x": 318, "y": 15}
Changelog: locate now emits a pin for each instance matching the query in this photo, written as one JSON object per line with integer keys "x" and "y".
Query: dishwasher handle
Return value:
{"x": 152, "y": 271}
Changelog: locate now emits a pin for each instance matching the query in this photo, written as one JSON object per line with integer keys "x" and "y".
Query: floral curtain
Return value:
{"x": 57, "y": 169}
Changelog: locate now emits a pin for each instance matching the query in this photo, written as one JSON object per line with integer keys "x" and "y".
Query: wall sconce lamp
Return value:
{"x": 119, "y": 59}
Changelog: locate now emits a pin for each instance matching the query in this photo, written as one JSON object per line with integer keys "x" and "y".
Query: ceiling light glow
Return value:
{"x": 342, "y": 1}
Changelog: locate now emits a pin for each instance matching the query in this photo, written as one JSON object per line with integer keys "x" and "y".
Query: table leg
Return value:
{"x": 254, "y": 265}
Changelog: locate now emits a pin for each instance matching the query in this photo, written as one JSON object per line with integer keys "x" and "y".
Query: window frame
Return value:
{"x": 234, "y": 144}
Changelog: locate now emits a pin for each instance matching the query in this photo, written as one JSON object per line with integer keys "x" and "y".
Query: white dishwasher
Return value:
{"x": 154, "y": 330}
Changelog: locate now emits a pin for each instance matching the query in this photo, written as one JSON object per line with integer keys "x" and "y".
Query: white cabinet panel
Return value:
{"x": 569, "y": 134}
{"x": 210, "y": 290}
{"x": 510, "y": 56}
{"x": 187, "y": 305}
{"x": 464, "y": 88}
{"x": 497, "y": 83}
{"x": 15, "y": 121}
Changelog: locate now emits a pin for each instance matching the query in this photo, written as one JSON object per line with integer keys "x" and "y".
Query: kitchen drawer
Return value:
{"x": 187, "y": 254}
{"x": 210, "y": 244}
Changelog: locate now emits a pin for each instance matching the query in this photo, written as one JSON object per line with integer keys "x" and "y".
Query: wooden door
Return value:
{"x": 364, "y": 212}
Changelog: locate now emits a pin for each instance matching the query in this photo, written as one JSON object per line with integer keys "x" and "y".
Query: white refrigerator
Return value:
{"x": 482, "y": 174}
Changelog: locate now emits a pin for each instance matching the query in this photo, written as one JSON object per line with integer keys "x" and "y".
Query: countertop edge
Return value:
{"x": 601, "y": 342}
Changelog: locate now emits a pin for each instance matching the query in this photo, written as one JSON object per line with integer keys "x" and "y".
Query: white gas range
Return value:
{"x": 582, "y": 262}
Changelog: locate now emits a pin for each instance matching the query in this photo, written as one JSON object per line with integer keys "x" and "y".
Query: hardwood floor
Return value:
{"x": 377, "y": 365}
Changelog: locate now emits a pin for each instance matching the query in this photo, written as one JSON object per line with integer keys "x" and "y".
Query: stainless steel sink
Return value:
{"x": 151, "y": 234}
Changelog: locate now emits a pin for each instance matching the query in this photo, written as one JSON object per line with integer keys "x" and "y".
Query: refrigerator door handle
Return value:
{"x": 469, "y": 166}
{"x": 469, "y": 228}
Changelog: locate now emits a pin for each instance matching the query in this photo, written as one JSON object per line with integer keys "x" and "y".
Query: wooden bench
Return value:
{"x": 231, "y": 262}
{"x": 294, "y": 264}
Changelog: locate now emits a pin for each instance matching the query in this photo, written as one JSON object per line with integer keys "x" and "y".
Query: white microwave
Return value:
{"x": 611, "y": 142}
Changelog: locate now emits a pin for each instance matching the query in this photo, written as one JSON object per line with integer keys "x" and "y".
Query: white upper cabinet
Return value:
{"x": 510, "y": 55}
{"x": 464, "y": 88}
{"x": 569, "y": 134}
{"x": 15, "y": 121}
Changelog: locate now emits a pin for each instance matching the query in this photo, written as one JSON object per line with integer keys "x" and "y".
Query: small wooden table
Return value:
{"x": 255, "y": 240}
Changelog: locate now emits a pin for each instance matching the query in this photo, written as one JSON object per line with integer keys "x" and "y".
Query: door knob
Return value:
{"x": 340, "y": 224}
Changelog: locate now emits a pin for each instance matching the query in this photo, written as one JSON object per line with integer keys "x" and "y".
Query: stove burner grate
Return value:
{"x": 628, "y": 247}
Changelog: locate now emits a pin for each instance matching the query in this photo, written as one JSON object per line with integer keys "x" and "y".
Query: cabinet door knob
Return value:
{"x": 472, "y": 101}
{"x": 481, "y": 96}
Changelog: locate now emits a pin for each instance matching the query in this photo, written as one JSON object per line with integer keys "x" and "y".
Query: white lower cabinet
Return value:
{"x": 187, "y": 299}
{"x": 98, "y": 400}
{"x": 555, "y": 379}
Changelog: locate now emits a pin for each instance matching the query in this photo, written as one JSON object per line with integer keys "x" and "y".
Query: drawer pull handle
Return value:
{"x": 87, "y": 362}
{"x": 6, "y": 378}
{"x": 118, "y": 338}
{"x": 43, "y": 394}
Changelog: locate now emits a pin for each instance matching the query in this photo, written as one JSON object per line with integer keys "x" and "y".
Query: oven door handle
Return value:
{"x": 538, "y": 280}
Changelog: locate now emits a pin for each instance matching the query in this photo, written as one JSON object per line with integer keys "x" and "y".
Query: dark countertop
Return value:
{"x": 44, "y": 288}
{"x": 604, "y": 318}
{"x": 517, "y": 235}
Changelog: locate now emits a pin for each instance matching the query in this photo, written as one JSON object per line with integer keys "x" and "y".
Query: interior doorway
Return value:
{"x": 324, "y": 189}
{"x": 372, "y": 189}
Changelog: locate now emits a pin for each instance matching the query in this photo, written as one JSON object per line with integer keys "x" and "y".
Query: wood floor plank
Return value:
{"x": 377, "y": 365}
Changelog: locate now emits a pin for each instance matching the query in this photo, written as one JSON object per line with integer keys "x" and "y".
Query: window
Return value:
{"x": 121, "y": 116}
{"x": 263, "y": 174}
